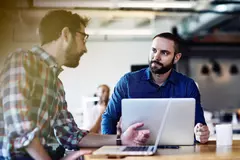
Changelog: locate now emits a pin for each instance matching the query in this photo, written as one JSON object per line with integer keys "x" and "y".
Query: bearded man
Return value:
{"x": 159, "y": 80}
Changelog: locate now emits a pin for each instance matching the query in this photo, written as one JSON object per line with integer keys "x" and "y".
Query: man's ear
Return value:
{"x": 177, "y": 57}
{"x": 66, "y": 34}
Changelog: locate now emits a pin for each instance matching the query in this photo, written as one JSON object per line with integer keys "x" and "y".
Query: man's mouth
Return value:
{"x": 156, "y": 63}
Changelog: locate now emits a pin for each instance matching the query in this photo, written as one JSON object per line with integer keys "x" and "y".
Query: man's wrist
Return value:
{"x": 119, "y": 133}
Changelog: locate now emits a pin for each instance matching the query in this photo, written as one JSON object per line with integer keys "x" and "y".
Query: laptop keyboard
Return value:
{"x": 142, "y": 148}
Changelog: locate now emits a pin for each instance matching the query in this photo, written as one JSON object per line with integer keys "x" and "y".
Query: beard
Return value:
{"x": 72, "y": 58}
{"x": 72, "y": 61}
{"x": 163, "y": 69}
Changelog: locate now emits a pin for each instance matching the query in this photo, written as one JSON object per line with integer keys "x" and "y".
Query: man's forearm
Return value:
{"x": 36, "y": 150}
{"x": 97, "y": 140}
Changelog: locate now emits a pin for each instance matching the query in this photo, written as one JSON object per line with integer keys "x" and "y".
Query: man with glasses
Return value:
{"x": 33, "y": 106}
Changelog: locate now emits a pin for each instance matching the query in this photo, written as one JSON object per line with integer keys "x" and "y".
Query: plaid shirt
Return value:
{"x": 32, "y": 103}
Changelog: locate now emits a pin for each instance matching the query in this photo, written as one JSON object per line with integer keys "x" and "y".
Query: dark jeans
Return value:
{"x": 22, "y": 157}
{"x": 54, "y": 154}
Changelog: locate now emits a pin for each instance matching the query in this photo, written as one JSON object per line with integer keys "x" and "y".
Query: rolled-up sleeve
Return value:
{"x": 15, "y": 90}
{"x": 66, "y": 130}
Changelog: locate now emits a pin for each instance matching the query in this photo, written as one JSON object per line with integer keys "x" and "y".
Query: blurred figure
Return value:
{"x": 103, "y": 94}
{"x": 93, "y": 113}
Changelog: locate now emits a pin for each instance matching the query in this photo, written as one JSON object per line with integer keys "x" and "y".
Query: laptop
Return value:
{"x": 136, "y": 150}
{"x": 179, "y": 126}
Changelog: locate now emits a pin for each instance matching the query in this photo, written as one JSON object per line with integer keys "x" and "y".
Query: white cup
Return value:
{"x": 224, "y": 134}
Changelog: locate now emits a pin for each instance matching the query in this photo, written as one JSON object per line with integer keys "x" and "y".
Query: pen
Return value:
{"x": 168, "y": 147}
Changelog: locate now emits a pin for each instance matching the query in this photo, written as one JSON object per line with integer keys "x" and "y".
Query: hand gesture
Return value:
{"x": 133, "y": 136}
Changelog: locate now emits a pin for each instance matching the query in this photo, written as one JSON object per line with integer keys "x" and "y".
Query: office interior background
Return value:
{"x": 121, "y": 32}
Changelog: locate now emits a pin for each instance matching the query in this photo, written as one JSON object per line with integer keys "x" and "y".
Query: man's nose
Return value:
{"x": 157, "y": 56}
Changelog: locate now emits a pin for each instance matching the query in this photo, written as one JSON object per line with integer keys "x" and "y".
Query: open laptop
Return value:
{"x": 179, "y": 125}
{"x": 138, "y": 150}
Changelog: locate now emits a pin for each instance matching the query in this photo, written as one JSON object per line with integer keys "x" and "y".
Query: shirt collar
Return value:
{"x": 147, "y": 74}
{"x": 172, "y": 77}
{"x": 47, "y": 58}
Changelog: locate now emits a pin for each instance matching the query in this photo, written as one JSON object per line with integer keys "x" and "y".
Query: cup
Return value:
{"x": 224, "y": 134}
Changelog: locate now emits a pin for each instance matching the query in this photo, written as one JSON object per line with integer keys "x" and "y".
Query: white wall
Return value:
{"x": 105, "y": 62}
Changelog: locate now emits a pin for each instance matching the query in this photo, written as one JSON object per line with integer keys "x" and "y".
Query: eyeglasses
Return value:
{"x": 84, "y": 35}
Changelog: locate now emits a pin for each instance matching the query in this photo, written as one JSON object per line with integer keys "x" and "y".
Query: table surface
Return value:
{"x": 197, "y": 152}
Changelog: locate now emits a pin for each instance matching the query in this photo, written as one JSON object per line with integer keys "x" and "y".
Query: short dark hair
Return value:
{"x": 171, "y": 37}
{"x": 54, "y": 21}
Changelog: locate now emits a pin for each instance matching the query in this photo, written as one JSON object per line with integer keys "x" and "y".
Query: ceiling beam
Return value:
{"x": 152, "y": 5}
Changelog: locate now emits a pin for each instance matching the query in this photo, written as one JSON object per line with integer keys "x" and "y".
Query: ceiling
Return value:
{"x": 110, "y": 19}
{"x": 118, "y": 4}
{"x": 218, "y": 23}
{"x": 106, "y": 4}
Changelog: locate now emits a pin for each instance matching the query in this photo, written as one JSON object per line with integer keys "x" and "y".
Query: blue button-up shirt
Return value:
{"x": 140, "y": 84}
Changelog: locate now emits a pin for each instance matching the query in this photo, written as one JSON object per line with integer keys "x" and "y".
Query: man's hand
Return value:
{"x": 201, "y": 132}
{"x": 135, "y": 137}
